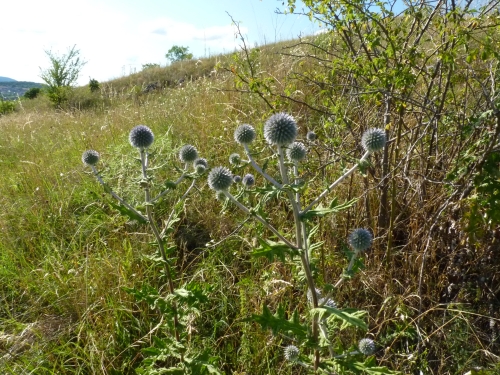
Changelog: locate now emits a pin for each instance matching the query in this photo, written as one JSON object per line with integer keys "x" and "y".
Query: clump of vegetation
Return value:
{"x": 286, "y": 194}
{"x": 62, "y": 73}
{"x": 83, "y": 284}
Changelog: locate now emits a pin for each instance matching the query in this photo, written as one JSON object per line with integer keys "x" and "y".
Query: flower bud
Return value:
{"x": 90, "y": 157}
{"x": 280, "y": 129}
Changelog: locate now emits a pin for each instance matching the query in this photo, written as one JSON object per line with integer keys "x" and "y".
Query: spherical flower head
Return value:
{"x": 220, "y": 196}
{"x": 328, "y": 303}
{"x": 296, "y": 151}
{"x": 373, "y": 140}
{"x": 366, "y": 346}
{"x": 90, "y": 157}
{"x": 200, "y": 165}
{"x": 220, "y": 178}
{"x": 248, "y": 180}
{"x": 141, "y": 137}
{"x": 311, "y": 136}
{"x": 291, "y": 353}
{"x": 188, "y": 153}
{"x": 235, "y": 159}
{"x": 280, "y": 129}
{"x": 360, "y": 239}
{"x": 237, "y": 179}
{"x": 244, "y": 134}
{"x": 201, "y": 161}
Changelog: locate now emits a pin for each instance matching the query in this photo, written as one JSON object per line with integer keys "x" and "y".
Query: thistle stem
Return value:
{"x": 259, "y": 169}
{"x": 334, "y": 184}
{"x": 154, "y": 228}
{"x": 114, "y": 195}
{"x": 259, "y": 218}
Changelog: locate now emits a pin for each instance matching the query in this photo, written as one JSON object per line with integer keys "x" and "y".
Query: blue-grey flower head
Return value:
{"x": 310, "y": 295}
{"x": 90, "y": 157}
{"x": 291, "y": 353}
{"x": 200, "y": 165}
{"x": 235, "y": 159}
{"x": 280, "y": 129}
{"x": 141, "y": 137}
{"x": 220, "y": 178}
{"x": 328, "y": 302}
{"x": 360, "y": 239}
{"x": 188, "y": 153}
{"x": 248, "y": 180}
{"x": 311, "y": 136}
{"x": 220, "y": 196}
{"x": 244, "y": 134}
{"x": 296, "y": 151}
{"x": 366, "y": 346}
{"x": 373, "y": 140}
{"x": 237, "y": 179}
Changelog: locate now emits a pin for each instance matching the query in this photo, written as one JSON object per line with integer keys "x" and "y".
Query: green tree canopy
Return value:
{"x": 178, "y": 53}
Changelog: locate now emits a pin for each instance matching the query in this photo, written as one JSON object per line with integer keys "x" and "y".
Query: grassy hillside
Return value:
{"x": 78, "y": 278}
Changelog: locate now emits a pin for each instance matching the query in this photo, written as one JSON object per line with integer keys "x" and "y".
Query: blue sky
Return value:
{"x": 116, "y": 37}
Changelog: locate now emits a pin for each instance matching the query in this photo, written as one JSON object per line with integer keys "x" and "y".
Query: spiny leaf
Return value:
{"x": 349, "y": 317}
{"x": 333, "y": 208}
{"x": 271, "y": 249}
{"x": 279, "y": 324}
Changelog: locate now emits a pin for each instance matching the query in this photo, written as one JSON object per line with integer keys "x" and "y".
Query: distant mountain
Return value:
{"x": 7, "y": 79}
{"x": 11, "y": 90}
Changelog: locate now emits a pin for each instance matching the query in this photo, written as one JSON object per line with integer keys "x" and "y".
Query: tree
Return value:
{"x": 32, "y": 93}
{"x": 178, "y": 53}
{"x": 62, "y": 74}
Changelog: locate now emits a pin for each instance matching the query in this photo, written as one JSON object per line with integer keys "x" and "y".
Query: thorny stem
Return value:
{"x": 149, "y": 211}
{"x": 301, "y": 243}
{"x": 114, "y": 195}
{"x": 259, "y": 218}
{"x": 334, "y": 184}
{"x": 259, "y": 169}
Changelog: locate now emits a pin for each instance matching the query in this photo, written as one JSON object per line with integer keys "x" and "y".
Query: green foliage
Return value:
{"x": 7, "y": 106}
{"x": 32, "y": 93}
{"x": 178, "y": 53}
{"x": 62, "y": 73}
{"x": 150, "y": 66}
{"x": 94, "y": 85}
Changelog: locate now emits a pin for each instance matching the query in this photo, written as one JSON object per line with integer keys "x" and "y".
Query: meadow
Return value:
{"x": 84, "y": 289}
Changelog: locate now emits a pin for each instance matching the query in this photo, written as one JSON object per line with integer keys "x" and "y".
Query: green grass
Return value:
{"x": 66, "y": 253}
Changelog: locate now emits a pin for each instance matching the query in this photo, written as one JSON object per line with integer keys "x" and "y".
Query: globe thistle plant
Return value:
{"x": 220, "y": 178}
{"x": 360, "y": 239}
{"x": 188, "y": 153}
{"x": 244, "y": 134}
{"x": 200, "y": 165}
{"x": 235, "y": 159}
{"x": 90, "y": 157}
{"x": 141, "y": 137}
{"x": 248, "y": 180}
{"x": 296, "y": 152}
{"x": 237, "y": 179}
{"x": 280, "y": 129}
{"x": 311, "y": 136}
{"x": 373, "y": 140}
{"x": 366, "y": 346}
{"x": 291, "y": 353}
